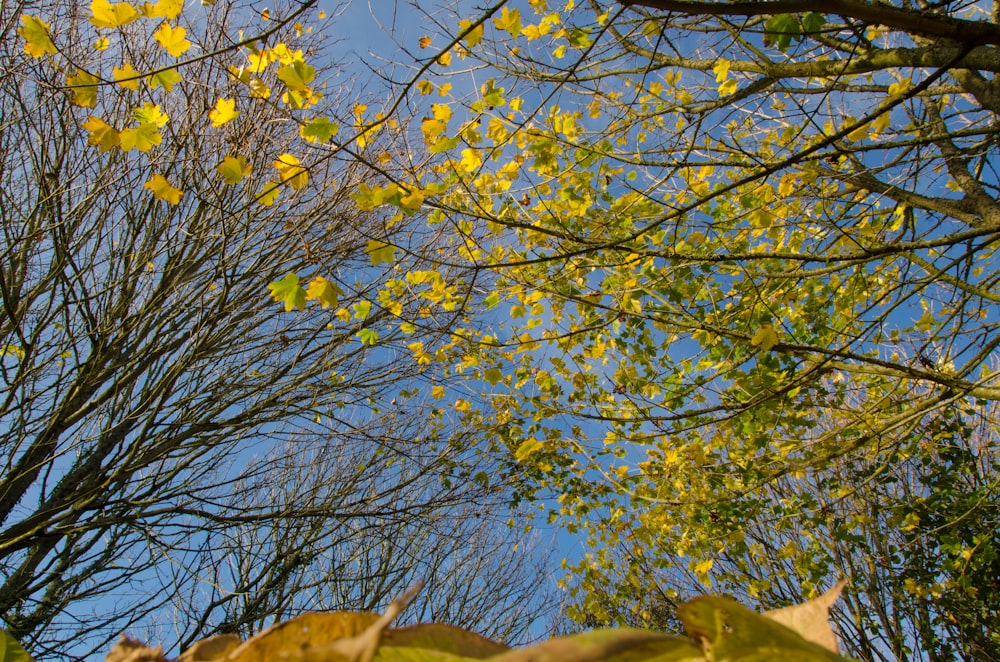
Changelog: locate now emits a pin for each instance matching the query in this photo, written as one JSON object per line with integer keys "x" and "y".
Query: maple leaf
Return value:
{"x": 172, "y": 39}
{"x": 288, "y": 291}
{"x": 83, "y": 86}
{"x": 291, "y": 171}
{"x": 162, "y": 189}
{"x": 224, "y": 112}
{"x": 151, "y": 113}
{"x": 322, "y": 290}
{"x": 107, "y": 15}
{"x": 765, "y": 338}
{"x": 126, "y": 72}
{"x": 142, "y": 137}
{"x": 165, "y": 79}
{"x": 233, "y": 169}
{"x": 318, "y": 130}
{"x": 509, "y": 21}
{"x": 297, "y": 75}
{"x": 168, "y": 9}
{"x": 380, "y": 252}
{"x": 35, "y": 33}
{"x": 424, "y": 42}
{"x": 269, "y": 193}
{"x": 101, "y": 134}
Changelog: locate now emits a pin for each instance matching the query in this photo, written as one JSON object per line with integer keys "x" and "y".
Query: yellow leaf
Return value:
{"x": 412, "y": 200}
{"x": 470, "y": 160}
{"x": 444, "y": 59}
{"x": 322, "y": 290}
{"x": 509, "y": 21}
{"x": 728, "y": 87}
{"x": 168, "y": 9}
{"x": 233, "y": 169}
{"x": 765, "y": 338}
{"x": 269, "y": 193}
{"x": 474, "y": 36}
{"x": 101, "y": 44}
{"x": 425, "y": 87}
{"x": 162, "y": 189}
{"x": 83, "y": 86}
{"x": 101, "y": 134}
{"x": 142, "y": 137}
{"x": 107, "y": 15}
{"x": 527, "y": 448}
{"x": 126, "y": 72}
{"x": 172, "y": 39}
{"x": 437, "y": 392}
{"x": 151, "y": 113}
{"x": 441, "y": 111}
{"x": 224, "y": 112}
{"x": 424, "y": 42}
{"x": 35, "y": 33}
{"x": 721, "y": 70}
{"x": 291, "y": 171}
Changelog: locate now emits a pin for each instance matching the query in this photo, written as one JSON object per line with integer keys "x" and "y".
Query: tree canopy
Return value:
{"x": 180, "y": 457}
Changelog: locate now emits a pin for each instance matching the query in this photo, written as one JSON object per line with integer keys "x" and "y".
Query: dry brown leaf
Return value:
{"x": 132, "y": 650}
{"x": 213, "y": 648}
{"x": 811, "y": 620}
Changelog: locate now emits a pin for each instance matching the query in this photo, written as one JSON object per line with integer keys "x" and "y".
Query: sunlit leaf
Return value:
{"x": 765, "y": 338}
{"x": 233, "y": 169}
{"x": 291, "y": 171}
{"x": 126, "y": 72}
{"x": 101, "y": 134}
{"x": 324, "y": 291}
{"x": 142, "y": 138}
{"x": 162, "y": 189}
{"x": 224, "y": 112}
{"x": 35, "y": 32}
{"x": 165, "y": 79}
{"x": 172, "y": 39}
{"x": 83, "y": 87}
{"x": 288, "y": 291}
{"x": 108, "y": 15}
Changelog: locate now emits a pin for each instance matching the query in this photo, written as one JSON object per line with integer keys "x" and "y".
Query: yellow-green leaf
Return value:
{"x": 288, "y": 291}
{"x": 233, "y": 169}
{"x": 142, "y": 137}
{"x": 297, "y": 75}
{"x": 83, "y": 87}
{"x": 162, "y": 189}
{"x": 269, "y": 193}
{"x": 165, "y": 79}
{"x": 318, "y": 130}
{"x": 380, "y": 252}
{"x": 765, "y": 338}
{"x": 37, "y": 41}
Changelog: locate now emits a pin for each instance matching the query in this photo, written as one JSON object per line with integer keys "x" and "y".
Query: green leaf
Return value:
{"x": 780, "y": 30}
{"x": 289, "y": 291}
{"x": 10, "y": 650}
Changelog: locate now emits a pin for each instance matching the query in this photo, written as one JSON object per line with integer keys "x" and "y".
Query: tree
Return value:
{"x": 740, "y": 250}
{"x": 177, "y": 454}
